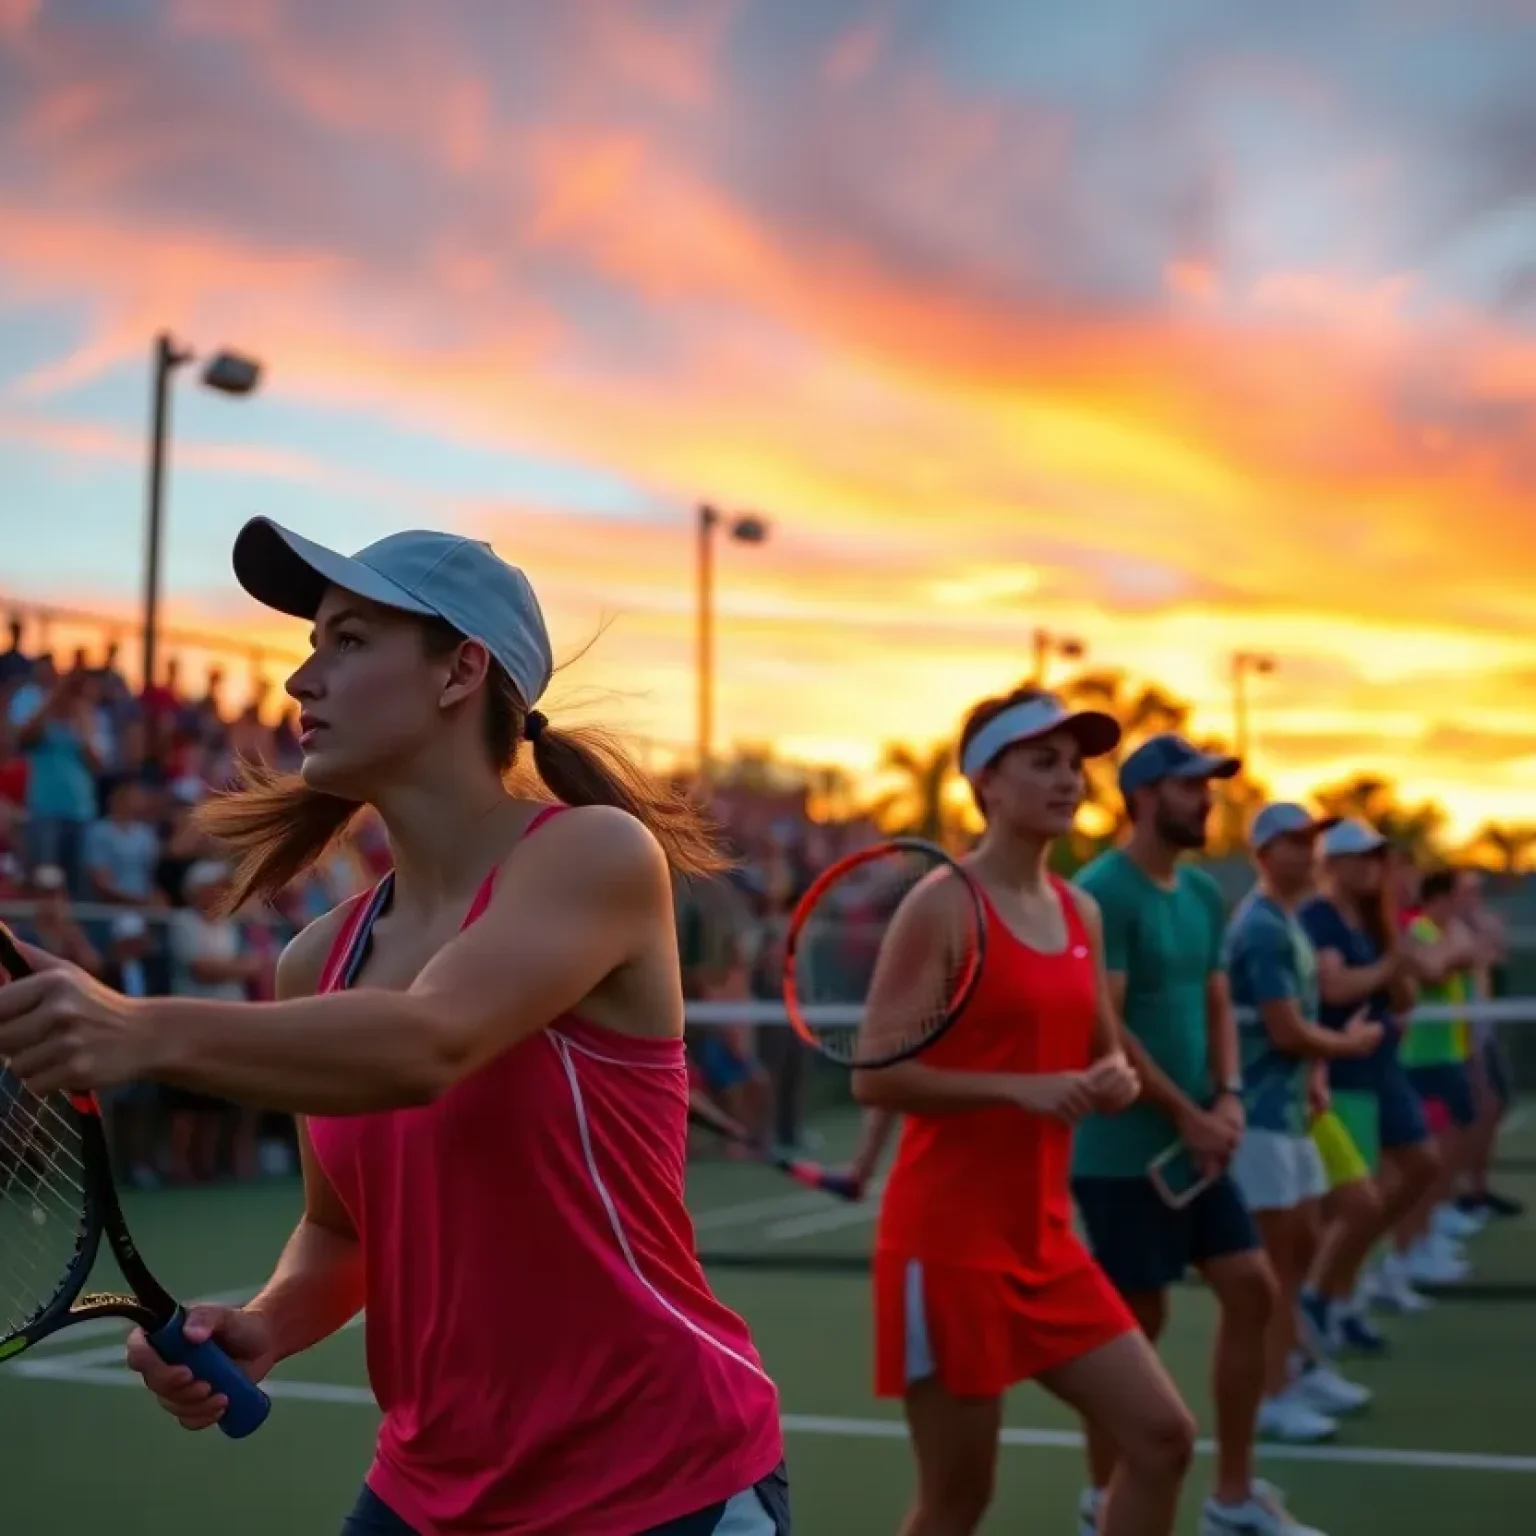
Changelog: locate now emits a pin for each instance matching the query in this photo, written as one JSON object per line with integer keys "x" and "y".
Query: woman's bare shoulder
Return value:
{"x": 302, "y": 962}
{"x": 590, "y": 846}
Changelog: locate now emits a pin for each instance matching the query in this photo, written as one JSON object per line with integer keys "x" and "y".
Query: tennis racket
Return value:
{"x": 57, "y": 1201}
{"x": 883, "y": 954}
{"x": 801, "y": 1169}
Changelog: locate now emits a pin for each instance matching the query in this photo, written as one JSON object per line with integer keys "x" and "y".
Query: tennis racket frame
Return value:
{"x": 150, "y": 1305}
{"x": 969, "y": 980}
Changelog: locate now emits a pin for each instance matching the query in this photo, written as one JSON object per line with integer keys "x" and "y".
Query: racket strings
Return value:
{"x": 879, "y": 964}
{"x": 42, "y": 1201}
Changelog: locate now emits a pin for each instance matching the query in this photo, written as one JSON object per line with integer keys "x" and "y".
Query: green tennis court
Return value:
{"x": 1449, "y": 1442}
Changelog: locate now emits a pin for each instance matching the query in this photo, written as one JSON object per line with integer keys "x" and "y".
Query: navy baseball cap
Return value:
{"x": 436, "y": 575}
{"x": 1171, "y": 757}
{"x": 1284, "y": 819}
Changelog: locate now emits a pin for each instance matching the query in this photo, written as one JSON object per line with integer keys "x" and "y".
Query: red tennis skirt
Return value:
{"x": 981, "y": 1331}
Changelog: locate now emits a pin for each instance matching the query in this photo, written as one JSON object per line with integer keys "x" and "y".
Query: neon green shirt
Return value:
{"x": 1437, "y": 1045}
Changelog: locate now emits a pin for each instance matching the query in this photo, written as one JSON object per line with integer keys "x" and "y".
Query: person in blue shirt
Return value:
{"x": 54, "y": 722}
{"x": 1363, "y": 963}
{"x": 1273, "y": 976}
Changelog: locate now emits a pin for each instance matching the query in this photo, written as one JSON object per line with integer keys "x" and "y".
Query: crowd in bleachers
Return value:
{"x": 101, "y": 862}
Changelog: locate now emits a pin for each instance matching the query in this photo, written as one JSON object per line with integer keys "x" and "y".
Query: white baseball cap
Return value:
{"x": 1351, "y": 837}
{"x": 1028, "y": 720}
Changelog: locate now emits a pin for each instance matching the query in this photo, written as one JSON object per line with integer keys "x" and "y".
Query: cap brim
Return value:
{"x": 1208, "y": 766}
{"x": 290, "y": 573}
{"x": 1362, "y": 850}
{"x": 1096, "y": 733}
{"x": 1317, "y": 827}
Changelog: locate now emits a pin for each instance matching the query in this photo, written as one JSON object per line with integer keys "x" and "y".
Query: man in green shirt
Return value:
{"x": 1163, "y": 928}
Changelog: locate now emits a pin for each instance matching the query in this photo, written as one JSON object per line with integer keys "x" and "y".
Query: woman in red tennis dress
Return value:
{"x": 980, "y": 1281}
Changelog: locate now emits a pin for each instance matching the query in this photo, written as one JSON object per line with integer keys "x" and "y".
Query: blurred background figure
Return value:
{"x": 210, "y": 958}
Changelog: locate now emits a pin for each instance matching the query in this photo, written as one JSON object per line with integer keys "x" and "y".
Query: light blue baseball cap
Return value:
{"x": 1284, "y": 819}
{"x": 436, "y": 575}
{"x": 1351, "y": 838}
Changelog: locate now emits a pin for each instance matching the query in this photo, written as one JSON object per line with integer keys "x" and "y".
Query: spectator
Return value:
{"x": 161, "y": 709}
{"x": 209, "y": 960}
{"x": 286, "y": 752}
{"x": 183, "y": 843}
{"x": 52, "y": 925}
{"x": 783, "y": 1052}
{"x": 15, "y": 664}
{"x": 131, "y": 1110}
{"x": 122, "y": 851}
{"x": 248, "y": 737}
{"x": 114, "y": 686}
{"x": 56, "y": 731}
{"x": 13, "y": 799}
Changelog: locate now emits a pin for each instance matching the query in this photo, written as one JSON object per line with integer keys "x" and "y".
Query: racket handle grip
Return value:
{"x": 814, "y": 1176}
{"x": 844, "y": 1185}
{"x": 248, "y": 1404}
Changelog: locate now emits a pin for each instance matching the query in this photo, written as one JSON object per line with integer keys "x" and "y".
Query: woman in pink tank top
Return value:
{"x": 486, "y": 1055}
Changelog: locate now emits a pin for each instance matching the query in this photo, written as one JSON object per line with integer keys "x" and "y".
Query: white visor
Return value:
{"x": 1096, "y": 733}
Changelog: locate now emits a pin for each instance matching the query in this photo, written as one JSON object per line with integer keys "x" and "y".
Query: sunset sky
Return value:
{"x": 1183, "y": 327}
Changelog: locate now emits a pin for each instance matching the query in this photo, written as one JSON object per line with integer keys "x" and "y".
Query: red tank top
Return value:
{"x": 541, "y": 1339}
{"x": 989, "y": 1187}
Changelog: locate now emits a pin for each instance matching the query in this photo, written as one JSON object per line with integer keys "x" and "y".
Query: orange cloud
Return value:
{"x": 969, "y": 399}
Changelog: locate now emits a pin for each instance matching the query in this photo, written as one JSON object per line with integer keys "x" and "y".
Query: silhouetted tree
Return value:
{"x": 1509, "y": 849}
{"x": 1369, "y": 797}
{"x": 917, "y": 806}
{"x": 1143, "y": 710}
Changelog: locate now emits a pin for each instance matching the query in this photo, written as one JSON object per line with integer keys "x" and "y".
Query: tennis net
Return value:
{"x": 750, "y": 1217}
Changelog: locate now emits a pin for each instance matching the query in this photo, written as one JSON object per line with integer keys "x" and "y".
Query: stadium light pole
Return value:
{"x": 744, "y": 528}
{"x": 1244, "y": 664}
{"x": 229, "y": 373}
{"x": 1049, "y": 644}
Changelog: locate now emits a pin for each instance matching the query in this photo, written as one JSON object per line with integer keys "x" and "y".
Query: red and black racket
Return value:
{"x": 884, "y": 952}
{"x": 57, "y": 1202}
{"x": 802, "y": 1170}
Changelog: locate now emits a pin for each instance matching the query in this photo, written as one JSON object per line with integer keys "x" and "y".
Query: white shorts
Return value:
{"x": 1277, "y": 1171}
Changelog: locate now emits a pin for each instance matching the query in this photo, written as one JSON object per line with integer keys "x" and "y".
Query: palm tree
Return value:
{"x": 1508, "y": 848}
{"x": 916, "y": 807}
{"x": 834, "y": 791}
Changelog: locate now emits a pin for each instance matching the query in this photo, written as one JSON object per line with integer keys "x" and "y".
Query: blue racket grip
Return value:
{"x": 248, "y": 1404}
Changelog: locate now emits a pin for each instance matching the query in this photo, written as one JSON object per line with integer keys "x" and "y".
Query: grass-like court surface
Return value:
{"x": 1448, "y": 1445}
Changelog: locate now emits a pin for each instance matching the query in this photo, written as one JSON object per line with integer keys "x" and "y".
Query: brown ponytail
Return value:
{"x": 276, "y": 826}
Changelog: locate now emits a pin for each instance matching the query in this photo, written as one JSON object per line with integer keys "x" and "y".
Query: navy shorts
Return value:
{"x": 1144, "y": 1246}
{"x": 1402, "y": 1110}
{"x": 1498, "y": 1079}
{"x": 761, "y": 1510}
{"x": 1450, "y": 1084}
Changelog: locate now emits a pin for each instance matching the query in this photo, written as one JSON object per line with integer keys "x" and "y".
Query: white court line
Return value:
{"x": 63, "y": 1364}
{"x": 824, "y": 1219}
{"x": 748, "y": 1211}
{"x": 65, "y": 1345}
{"x": 895, "y": 1429}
